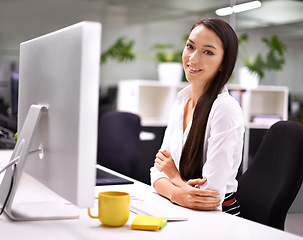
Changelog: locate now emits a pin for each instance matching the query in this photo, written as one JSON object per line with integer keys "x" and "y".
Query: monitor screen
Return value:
{"x": 59, "y": 75}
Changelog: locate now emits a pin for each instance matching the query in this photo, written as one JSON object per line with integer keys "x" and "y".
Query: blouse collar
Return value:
{"x": 186, "y": 92}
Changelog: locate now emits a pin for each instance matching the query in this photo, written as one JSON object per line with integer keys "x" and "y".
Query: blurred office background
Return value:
{"x": 148, "y": 22}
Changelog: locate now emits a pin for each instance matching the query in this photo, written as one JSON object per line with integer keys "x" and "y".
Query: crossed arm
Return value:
{"x": 183, "y": 193}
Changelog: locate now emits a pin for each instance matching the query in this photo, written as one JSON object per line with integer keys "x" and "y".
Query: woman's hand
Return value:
{"x": 166, "y": 164}
{"x": 192, "y": 197}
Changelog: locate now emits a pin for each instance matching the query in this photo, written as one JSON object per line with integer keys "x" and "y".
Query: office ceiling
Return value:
{"x": 271, "y": 13}
{"x": 20, "y": 20}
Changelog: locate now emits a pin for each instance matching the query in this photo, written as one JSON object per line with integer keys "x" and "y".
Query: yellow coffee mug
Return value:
{"x": 113, "y": 208}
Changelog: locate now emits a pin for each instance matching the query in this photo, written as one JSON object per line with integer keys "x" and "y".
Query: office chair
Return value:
{"x": 270, "y": 184}
{"x": 118, "y": 141}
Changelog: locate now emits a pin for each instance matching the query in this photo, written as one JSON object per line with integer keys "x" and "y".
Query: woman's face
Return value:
{"x": 202, "y": 55}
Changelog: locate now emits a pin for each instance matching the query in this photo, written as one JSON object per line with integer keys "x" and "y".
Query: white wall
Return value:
{"x": 292, "y": 75}
{"x": 145, "y": 35}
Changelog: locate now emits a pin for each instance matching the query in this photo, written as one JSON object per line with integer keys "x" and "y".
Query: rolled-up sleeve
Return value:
{"x": 173, "y": 138}
{"x": 155, "y": 174}
{"x": 223, "y": 146}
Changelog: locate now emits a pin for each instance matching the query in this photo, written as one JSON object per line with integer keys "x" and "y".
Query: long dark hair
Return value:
{"x": 192, "y": 153}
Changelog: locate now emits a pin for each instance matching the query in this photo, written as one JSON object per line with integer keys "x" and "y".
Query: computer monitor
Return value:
{"x": 57, "y": 120}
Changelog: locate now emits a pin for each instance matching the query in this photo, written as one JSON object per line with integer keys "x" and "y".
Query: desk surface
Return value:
{"x": 201, "y": 225}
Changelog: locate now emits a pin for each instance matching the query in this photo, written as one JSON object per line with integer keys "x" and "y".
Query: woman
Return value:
{"x": 201, "y": 151}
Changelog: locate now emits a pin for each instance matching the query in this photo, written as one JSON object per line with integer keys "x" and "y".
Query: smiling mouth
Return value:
{"x": 192, "y": 69}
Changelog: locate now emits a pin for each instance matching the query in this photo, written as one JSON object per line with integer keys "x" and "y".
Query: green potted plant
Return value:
{"x": 169, "y": 63}
{"x": 166, "y": 53}
{"x": 269, "y": 57}
{"x": 121, "y": 50}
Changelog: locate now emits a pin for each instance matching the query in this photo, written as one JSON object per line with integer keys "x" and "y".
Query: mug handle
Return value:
{"x": 89, "y": 214}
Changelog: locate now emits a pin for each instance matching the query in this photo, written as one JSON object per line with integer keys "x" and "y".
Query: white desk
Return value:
{"x": 201, "y": 225}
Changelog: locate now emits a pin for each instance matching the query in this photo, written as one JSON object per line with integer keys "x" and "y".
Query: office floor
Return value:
{"x": 294, "y": 223}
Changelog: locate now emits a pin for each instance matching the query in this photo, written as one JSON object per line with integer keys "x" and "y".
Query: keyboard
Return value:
{"x": 145, "y": 207}
{"x": 106, "y": 178}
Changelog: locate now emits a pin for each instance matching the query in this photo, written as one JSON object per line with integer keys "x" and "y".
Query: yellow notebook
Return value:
{"x": 142, "y": 222}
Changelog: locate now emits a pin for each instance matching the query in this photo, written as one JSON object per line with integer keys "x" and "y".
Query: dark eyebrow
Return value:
{"x": 191, "y": 41}
{"x": 210, "y": 46}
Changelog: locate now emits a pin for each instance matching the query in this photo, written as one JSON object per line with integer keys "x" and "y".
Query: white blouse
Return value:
{"x": 223, "y": 141}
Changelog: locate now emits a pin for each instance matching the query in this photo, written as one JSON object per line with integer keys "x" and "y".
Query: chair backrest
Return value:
{"x": 118, "y": 141}
{"x": 270, "y": 184}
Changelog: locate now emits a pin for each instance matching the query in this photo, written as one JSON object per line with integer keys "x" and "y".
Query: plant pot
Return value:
{"x": 248, "y": 79}
{"x": 170, "y": 72}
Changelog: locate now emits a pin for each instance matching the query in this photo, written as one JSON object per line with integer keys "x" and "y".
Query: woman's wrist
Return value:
{"x": 173, "y": 193}
{"x": 166, "y": 188}
{"x": 178, "y": 181}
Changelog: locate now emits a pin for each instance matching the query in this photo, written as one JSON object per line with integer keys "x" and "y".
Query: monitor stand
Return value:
{"x": 34, "y": 201}
{"x": 17, "y": 207}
